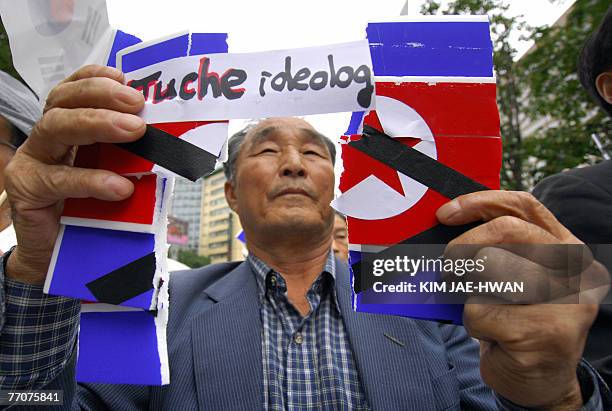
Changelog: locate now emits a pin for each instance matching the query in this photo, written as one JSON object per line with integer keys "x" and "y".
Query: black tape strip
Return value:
{"x": 438, "y": 234}
{"x": 125, "y": 282}
{"x": 173, "y": 153}
{"x": 424, "y": 169}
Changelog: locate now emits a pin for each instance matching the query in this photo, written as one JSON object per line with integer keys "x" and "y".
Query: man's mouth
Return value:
{"x": 293, "y": 191}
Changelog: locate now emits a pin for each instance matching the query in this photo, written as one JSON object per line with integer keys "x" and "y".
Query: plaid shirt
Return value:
{"x": 38, "y": 334}
{"x": 308, "y": 362}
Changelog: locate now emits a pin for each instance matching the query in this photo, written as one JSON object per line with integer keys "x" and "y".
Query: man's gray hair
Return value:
{"x": 234, "y": 145}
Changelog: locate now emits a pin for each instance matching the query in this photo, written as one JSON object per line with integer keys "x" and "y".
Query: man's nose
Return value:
{"x": 292, "y": 165}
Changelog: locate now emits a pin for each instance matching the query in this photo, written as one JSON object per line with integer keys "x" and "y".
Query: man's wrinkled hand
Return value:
{"x": 529, "y": 352}
{"x": 92, "y": 105}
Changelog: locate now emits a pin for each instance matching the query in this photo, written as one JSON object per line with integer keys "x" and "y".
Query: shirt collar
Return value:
{"x": 263, "y": 273}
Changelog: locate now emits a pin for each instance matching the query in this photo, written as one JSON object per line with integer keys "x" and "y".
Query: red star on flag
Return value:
{"x": 362, "y": 165}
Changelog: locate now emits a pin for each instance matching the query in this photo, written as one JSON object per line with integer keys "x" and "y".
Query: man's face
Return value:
{"x": 340, "y": 235}
{"x": 284, "y": 181}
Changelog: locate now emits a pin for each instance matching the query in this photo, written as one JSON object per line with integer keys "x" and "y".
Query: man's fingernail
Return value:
{"x": 449, "y": 211}
{"x": 119, "y": 185}
{"x": 128, "y": 95}
{"x": 128, "y": 122}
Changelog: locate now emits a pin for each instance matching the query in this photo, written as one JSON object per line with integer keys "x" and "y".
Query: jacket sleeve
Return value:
{"x": 38, "y": 350}
{"x": 464, "y": 353}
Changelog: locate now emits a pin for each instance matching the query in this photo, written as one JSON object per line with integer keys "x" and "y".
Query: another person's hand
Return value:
{"x": 90, "y": 106}
{"x": 529, "y": 352}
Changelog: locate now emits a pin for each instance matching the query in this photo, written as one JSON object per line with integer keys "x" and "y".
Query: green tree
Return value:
{"x": 192, "y": 260}
{"x": 6, "y": 60}
{"x": 509, "y": 85}
{"x": 555, "y": 94}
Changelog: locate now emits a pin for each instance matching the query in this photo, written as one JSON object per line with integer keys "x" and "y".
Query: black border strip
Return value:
{"x": 125, "y": 282}
{"x": 424, "y": 169}
{"x": 172, "y": 153}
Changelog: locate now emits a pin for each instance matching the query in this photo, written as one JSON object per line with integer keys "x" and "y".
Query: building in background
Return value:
{"x": 186, "y": 205}
{"x": 219, "y": 225}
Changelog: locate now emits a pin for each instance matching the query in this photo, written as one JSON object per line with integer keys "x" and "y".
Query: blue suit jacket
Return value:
{"x": 214, "y": 342}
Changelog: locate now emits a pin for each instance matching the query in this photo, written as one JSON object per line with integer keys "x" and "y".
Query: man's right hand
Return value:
{"x": 90, "y": 106}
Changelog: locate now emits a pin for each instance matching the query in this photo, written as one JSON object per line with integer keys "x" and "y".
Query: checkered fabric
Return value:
{"x": 38, "y": 335}
{"x": 308, "y": 362}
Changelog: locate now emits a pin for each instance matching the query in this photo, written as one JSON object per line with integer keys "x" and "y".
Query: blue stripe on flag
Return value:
{"x": 208, "y": 43}
{"x": 122, "y": 40}
{"x": 119, "y": 348}
{"x": 156, "y": 53}
{"x": 356, "y": 119}
{"x": 87, "y": 254}
{"x": 462, "y": 49}
{"x": 437, "y": 312}
{"x": 201, "y": 43}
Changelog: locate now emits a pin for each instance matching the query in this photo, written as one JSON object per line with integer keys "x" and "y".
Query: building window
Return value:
{"x": 220, "y": 211}
{"x": 218, "y": 256}
{"x": 217, "y": 191}
{"x": 217, "y": 201}
{"x": 218, "y": 233}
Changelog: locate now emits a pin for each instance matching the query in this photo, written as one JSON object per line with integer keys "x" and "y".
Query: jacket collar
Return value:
{"x": 226, "y": 340}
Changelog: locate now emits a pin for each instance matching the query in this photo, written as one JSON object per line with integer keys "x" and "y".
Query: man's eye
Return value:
{"x": 267, "y": 150}
{"x": 312, "y": 152}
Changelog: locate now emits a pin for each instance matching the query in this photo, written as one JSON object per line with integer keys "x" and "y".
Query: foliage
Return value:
{"x": 6, "y": 61}
{"x": 555, "y": 94}
{"x": 542, "y": 87}
{"x": 191, "y": 259}
{"x": 509, "y": 87}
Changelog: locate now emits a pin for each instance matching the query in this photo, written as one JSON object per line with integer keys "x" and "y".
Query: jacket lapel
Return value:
{"x": 226, "y": 340}
{"x": 388, "y": 353}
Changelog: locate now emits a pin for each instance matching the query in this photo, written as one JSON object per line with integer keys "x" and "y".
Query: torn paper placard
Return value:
{"x": 122, "y": 345}
{"x": 140, "y": 212}
{"x": 457, "y": 46}
{"x": 313, "y": 80}
{"x": 436, "y": 119}
{"x": 116, "y": 267}
{"x": 52, "y": 39}
{"x": 181, "y": 157}
{"x": 157, "y": 151}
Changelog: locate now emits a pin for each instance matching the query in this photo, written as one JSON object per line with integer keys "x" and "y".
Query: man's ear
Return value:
{"x": 603, "y": 83}
{"x": 230, "y": 196}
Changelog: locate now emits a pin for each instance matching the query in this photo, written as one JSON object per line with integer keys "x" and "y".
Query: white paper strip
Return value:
{"x": 314, "y": 80}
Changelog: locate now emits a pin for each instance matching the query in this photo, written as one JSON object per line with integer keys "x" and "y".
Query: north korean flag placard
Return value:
{"x": 189, "y": 149}
{"x": 435, "y": 96}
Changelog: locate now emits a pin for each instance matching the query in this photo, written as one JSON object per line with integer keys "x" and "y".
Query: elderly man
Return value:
{"x": 278, "y": 331}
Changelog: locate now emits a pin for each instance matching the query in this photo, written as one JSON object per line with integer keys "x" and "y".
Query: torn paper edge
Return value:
{"x": 433, "y": 19}
{"x": 161, "y": 325}
{"x": 54, "y": 255}
{"x": 145, "y": 44}
{"x": 109, "y": 225}
{"x": 162, "y": 296}
{"x": 161, "y": 243}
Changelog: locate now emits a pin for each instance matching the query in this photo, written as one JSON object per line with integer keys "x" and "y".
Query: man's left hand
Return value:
{"x": 529, "y": 352}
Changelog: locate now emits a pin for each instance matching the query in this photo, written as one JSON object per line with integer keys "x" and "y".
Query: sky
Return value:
{"x": 259, "y": 25}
